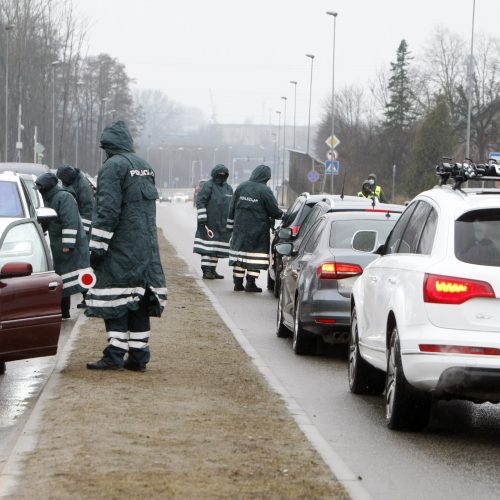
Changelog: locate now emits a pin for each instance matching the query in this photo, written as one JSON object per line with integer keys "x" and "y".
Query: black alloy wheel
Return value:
{"x": 405, "y": 406}
{"x": 281, "y": 330}
{"x": 363, "y": 377}
{"x": 303, "y": 342}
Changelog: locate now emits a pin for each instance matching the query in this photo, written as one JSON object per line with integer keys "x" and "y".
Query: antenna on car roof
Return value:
{"x": 343, "y": 185}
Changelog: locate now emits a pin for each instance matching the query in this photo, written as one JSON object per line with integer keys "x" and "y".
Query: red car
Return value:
{"x": 30, "y": 290}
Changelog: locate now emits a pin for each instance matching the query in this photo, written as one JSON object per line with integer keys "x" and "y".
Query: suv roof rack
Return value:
{"x": 467, "y": 171}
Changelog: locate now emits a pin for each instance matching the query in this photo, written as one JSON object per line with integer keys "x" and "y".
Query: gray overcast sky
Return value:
{"x": 247, "y": 52}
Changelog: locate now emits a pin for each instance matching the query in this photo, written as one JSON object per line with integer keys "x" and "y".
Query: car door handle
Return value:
{"x": 295, "y": 274}
{"x": 373, "y": 279}
{"x": 53, "y": 285}
{"x": 392, "y": 281}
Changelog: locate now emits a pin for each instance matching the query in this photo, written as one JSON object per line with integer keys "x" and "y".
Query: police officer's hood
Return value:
{"x": 261, "y": 174}
{"x": 116, "y": 138}
{"x": 220, "y": 173}
{"x": 46, "y": 182}
{"x": 67, "y": 174}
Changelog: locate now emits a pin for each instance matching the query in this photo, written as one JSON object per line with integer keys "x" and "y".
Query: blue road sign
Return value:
{"x": 495, "y": 156}
{"x": 332, "y": 167}
{"x": 313, "y": 176}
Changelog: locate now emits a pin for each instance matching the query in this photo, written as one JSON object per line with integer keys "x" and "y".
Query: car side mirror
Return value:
{"x": 364, "y": 240}
{"x": 16, "y": 269}
{"x": 285, "y": 233}
{"x": 45, "y": 214}
{"x": 284, "y": 249}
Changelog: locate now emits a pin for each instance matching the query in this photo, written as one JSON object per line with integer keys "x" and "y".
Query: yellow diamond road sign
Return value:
{"x": 332, "y": 141}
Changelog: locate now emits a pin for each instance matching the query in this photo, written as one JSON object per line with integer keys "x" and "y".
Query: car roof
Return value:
{"x": 458, "y": 201}
{"x": 24, "y": 168}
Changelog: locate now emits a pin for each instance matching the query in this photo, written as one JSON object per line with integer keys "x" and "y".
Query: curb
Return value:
{"x": 26, "y": 442}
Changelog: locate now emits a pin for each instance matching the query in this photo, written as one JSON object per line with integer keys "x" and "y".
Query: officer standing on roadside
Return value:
{"x": 74, "y": 181}
{"x": 212, "y": 237}
{"x": 376, "y": 188}
{"x": 125, "y": 256}
{"x": 366, "y": 190}
{"x": 251, "y": 216}
{"x": 68, "y": 243}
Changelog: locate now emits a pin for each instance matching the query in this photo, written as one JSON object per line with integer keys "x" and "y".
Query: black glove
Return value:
{"x": 96, "y": 260}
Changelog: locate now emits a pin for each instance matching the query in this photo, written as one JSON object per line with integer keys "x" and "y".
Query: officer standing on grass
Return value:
{"x": 212, "y": 237}
{"x": 251, "y": 216}
{"x": 68, "y": 243}
{"x": 130, "y": 284}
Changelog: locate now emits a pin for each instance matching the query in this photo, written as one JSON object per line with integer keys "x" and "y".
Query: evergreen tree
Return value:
{"x": 400, "y": 109}
{"x": 434, "y": 139}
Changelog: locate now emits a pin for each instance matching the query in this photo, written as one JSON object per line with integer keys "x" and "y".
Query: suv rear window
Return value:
{"x": 10, "y": 202}
{"x": 343, "y": 231}
{"x": 477, "y": 237}
{"x": 292, "y": 212}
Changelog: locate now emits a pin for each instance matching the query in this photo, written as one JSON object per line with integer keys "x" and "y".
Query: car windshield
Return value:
{"x": 477, "y": 237}
{"x": 343, "y": 230}
{"x": 10, "y": 201}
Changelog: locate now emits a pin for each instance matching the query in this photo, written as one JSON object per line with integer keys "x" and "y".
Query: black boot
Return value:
{"x": 217, "y": 275}
{"x": 104, "y": 364}
{"x": 251, "y": 286}
{"x": 238, "y": 284}
{"x": 208, "y": 273}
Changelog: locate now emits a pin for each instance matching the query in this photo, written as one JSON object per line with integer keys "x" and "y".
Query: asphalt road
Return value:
{"x": 458, "y": 457}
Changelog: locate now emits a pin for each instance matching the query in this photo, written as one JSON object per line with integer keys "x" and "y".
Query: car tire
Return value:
{"x": 363, "y": 377}
{"x": 2, "y": 367}
{"x": 281, "y": 330}
{"x": 405, "y": 406}
{"x": 270, "y": 282}
{"x": 303, "y": 342}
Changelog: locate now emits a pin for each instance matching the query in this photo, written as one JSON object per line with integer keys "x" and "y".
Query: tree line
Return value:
{"x": 416, "y": 113}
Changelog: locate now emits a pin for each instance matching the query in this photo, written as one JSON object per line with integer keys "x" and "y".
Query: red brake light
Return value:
{"x": 459, "y": 349}
{"x": 326, "y": 321}
{"x": 449, "y": 290}
{"x": 338, "y": 270}
{"x": 295, "y": 230}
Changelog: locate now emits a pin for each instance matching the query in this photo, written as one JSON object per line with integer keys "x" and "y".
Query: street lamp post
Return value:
{"x": 104, "y": 100}
{"x": 311, "y": 56}
{"x": 334, "y": 14}
{"x": 294, "y": 83}
{"x": 284, "y": 153}
{"x": 278, "y": 149}
{"x": 215, "y": 151}
{"x": 54, "y": 66}
{"x": 469, "y": 83}
{"x": 77, "y": 134}
{"x": 8, "y": 27}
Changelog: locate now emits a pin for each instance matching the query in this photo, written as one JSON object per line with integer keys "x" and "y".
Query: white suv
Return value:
{"x": 426, "y": 314}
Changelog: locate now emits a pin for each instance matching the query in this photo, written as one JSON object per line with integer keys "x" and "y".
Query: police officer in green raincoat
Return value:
{"x": 251, "y": 217}
{"x": 68, "y": 243}
{"x": 212, "y": 236}
{"x": 73, "y": 179}
{"x": 130, "y": 284}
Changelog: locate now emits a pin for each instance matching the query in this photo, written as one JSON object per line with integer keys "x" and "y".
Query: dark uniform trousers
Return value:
{"x": 129, "y": 333}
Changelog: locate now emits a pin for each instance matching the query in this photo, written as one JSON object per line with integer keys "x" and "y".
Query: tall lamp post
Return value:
{"x": 294, "y": 83}
{"x": 278, "y": 149}
{"x": 334, "y": 14}
{"x": 284, "y": 154}
{"x": 54, "y": 66}
{"x": 469, "y": 83}
{"x": 311, "y": 56}
{"x": 77, "y": 134}
{"x": 8, "y": 27}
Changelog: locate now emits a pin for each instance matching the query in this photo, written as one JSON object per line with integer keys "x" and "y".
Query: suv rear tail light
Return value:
{"x": 295, "y": 230}
{"x": 450, "y": 290}
{"x": 338, "y": 270}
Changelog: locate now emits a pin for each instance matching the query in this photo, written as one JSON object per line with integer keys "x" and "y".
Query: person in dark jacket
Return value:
{"x": 130, "y": 284}
{"x": 212, "y": 236}
{"x": 376, "y": 188}
{"x": 72, "y": 178}
{"x": 251, "y": 216}
{"x": 78, "y": 185}
{"x": 68, "y": 243}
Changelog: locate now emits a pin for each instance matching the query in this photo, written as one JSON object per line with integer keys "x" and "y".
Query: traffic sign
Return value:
{"x": 332, "y": 141}
{"x": 331, "y": 154}
{"x": 332, "y": 167}
{"x": 495, "y": 156}
{"x": 313, "y": 176}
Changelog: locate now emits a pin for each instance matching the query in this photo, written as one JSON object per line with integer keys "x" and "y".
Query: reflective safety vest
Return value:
{"x": 378, "y": 190}
{"x": 362, "y": 195}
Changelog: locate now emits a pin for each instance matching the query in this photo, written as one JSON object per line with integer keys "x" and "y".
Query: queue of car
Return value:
{"x": 413, "y": 290}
